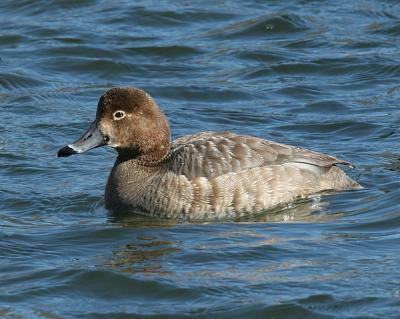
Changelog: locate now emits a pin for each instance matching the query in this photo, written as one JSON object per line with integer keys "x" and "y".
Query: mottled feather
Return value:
{"x": 212, "y": 154}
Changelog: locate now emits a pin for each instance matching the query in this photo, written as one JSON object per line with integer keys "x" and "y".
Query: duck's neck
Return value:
{"x": 151, "y": 157}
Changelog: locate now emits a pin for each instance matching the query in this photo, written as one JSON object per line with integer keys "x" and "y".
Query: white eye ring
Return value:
{"x": 118, "y": 115}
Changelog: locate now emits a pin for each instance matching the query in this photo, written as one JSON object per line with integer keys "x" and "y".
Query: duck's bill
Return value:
{"x": 91, "y": 139}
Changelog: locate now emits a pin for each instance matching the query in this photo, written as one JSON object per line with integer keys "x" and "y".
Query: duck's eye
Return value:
{"x": 119, "y": 115}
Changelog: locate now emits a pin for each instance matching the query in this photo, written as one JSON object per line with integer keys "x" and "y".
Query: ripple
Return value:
{"x": 12, "y": 81}
{"x": 262, "y": 26}
{"x": 78, "y": 51}
{"x": 235, "y": 117}
{"x": 374, "y": 13}
{"x": 167, "y": 52}
{"x": 323, "y": 76}
{"x": 164, "y": 18}
{"x": 261, "y": 56}
{"x": 312, "y": 41}
{"x": 11, "y": 39}
{"x": 201, "y": 94}
{"x": 389, "y": 28}
{"x": 24, "y": 6}
{"x": 326, "y": 106}
{"x": 342, "y": 127}
{"x": 303, "y": 92}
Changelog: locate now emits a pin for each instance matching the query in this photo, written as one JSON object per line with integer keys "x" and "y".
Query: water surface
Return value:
{"x": 318, "y": 74}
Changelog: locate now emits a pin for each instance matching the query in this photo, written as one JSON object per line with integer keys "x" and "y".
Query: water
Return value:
{"x": 319, "y": 74}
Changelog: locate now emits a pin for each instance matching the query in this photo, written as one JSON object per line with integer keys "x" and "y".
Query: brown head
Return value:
{"x": 129, "y": 120}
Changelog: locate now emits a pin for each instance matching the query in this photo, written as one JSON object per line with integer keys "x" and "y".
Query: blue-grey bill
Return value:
{"x": 91, "y": 139}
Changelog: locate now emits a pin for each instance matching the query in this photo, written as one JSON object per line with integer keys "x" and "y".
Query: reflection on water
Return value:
{"x": 312, "y": 209}
{"x": 129, "y": 219}
{"x": 394, "y": 162}
{"x": 145, "y": 256}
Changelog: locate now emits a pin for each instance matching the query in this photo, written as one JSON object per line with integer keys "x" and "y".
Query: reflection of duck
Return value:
{"x": 204, "y": 176}
{"x": 142, "y": 256}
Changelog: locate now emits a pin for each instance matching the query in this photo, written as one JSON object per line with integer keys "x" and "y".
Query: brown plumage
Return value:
{"x": 211, "y": 175}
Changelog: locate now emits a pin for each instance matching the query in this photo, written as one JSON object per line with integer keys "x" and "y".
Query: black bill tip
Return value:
{"x": 66, "y": 151}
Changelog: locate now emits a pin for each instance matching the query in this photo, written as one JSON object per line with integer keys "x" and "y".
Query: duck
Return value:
{"x": 200, "y": 177}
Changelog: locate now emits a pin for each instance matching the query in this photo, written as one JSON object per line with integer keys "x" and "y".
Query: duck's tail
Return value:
{"x": 336, "y": 179}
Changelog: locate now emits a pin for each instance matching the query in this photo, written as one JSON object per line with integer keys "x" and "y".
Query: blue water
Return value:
{"x": 324, "y": 75}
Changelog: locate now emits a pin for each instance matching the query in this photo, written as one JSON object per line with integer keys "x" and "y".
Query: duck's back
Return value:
{"x": 223, "y": 175}
{"x": 212, "y": 154}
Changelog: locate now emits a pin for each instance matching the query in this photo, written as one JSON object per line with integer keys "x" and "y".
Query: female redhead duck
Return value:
{"x": 206, "y": 176}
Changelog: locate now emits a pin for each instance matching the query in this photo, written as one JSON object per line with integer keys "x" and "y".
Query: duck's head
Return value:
{"x": 130, "y": 121}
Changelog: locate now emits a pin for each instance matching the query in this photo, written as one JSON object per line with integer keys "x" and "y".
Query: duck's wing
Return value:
{"x": 211, "y": 154}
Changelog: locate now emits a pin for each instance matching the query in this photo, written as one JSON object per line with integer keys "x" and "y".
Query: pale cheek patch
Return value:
{"x": 112, "y": 144}
{"x": 106, "y": 129}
